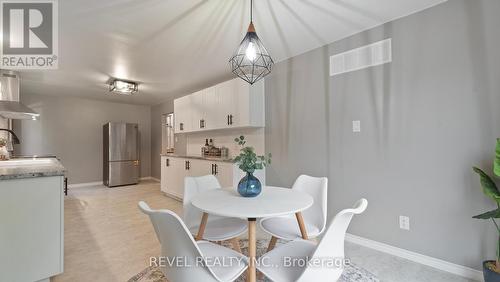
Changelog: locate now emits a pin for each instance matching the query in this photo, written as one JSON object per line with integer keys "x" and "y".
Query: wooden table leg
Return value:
{"x": 251, "y": 273}
{"x": 302, "y": 226}
{"x": 203, "y": 224}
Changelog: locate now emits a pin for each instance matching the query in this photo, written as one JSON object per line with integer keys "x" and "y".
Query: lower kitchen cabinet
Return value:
{"x": 175, "y": 169}
{"x": 31, "y": 228}
{"x": 224, "y": 173}
{"x": 170, "y": 169}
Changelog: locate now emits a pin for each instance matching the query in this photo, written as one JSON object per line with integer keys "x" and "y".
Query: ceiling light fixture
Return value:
{"x": 123, "y": 87}
{"x": 251, "y": 61}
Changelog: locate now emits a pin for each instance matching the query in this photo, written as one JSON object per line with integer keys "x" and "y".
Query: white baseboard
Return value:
{"x": 456, "y": 269}
{"x": 97, "y": 183}
{"x": 87, "y": 184}
{"x": 172, "y": 196}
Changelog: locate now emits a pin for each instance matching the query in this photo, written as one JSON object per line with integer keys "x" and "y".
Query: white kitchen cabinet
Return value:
{"x": 211, "y": 102}
{"x": 165, "y": 172}
{"x": 183, "y": 114}
{"x": 226, "y": 93}
{"x": 224, "y": 173}
{"x": 171, "y": 183}
{"x": 176, "y": 169}
{"x": 231, "y": 104}
{"x": 197, "y": 167}
{"x": 198, "y": 109}
{"x": 32, "y": 228}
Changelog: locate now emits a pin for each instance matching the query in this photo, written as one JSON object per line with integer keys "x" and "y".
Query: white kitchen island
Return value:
{"x": 31, "y": 219}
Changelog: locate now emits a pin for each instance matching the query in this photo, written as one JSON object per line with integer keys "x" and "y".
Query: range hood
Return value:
{"x": 10, "y": 107}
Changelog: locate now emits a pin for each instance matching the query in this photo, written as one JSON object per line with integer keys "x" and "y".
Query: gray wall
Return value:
{"x": 71, "y": 128}
{"x": 156, "y": 112}
{"x": 426, "y": 118}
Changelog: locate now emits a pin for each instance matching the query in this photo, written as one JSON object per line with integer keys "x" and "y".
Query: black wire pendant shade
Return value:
{"x": 251, "y": 61}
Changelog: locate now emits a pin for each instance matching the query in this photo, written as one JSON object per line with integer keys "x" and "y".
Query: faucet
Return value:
{"x": 15, "y": 139}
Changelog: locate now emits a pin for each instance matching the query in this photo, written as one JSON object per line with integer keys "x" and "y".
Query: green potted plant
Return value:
{"x": 248, "y": 161}
{"x": 491, "y": 269}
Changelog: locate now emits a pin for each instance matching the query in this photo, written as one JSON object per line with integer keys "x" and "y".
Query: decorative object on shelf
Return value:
{"x": 491, "y": 269}
{"x": 209, "y": 150}
{"x": 251, "y": 61}
{"x": 4, "y": 153}
{"x": 248, "y": 161}
{"x": 124, "y": 87}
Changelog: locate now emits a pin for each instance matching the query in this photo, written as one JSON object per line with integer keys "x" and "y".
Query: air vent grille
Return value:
{"x": 371, "y": 55}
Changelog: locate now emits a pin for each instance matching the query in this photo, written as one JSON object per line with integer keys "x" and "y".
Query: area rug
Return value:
{"x": 352, "y": 272}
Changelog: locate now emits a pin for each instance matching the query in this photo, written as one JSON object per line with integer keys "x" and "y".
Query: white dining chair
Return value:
{"x": 285, "y": 262}
{"x": 182, "y": 256}
{"x": 218, "y": 228}
{"x": 286, "y": 227}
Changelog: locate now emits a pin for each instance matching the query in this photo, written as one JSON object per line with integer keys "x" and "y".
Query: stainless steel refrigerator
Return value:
{"x": 120, "y": 154}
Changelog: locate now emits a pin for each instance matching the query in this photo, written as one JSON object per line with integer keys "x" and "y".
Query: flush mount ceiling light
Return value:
{"x": 123, "y": 87}
{"x": 251, "y": 61}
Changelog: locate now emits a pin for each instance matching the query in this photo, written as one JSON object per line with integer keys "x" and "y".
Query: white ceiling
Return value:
{"x": 174, "y": 47}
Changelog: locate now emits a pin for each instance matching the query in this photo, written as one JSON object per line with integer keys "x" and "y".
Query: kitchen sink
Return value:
{"x": 26, "y": 162}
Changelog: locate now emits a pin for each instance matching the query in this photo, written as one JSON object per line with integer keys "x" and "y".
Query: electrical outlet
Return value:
{"x": 356, "y": 126}
{"x": 404, "y": 222}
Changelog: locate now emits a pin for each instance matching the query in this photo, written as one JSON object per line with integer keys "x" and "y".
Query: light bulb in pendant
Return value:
{"x": 251, "y": 53}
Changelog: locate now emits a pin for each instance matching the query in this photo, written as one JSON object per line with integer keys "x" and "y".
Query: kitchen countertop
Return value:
{"x": 19, "y": 168}
{"x": 215, "y": 159}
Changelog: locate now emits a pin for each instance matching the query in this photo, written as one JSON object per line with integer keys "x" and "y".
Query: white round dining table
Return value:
{"x": 273, "y": 201}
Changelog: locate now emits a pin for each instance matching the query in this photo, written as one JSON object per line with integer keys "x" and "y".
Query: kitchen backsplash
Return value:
{"x": 222, "y": 138}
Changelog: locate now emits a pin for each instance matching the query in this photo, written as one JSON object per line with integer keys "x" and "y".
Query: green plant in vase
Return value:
{"x": 491, "y": 269}
{"x": 248, "y": 161}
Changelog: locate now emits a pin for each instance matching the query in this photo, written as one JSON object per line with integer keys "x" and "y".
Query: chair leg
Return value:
{"x": 203, "y": 224}
{"x": 272, "y": 244}
{"x": 302, "y": 226}
{"x": 236, "y": 244}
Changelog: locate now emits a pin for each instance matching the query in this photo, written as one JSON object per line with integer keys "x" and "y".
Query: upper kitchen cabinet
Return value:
{"x": 231, "y": 104}
{"x": 182, "y": 114}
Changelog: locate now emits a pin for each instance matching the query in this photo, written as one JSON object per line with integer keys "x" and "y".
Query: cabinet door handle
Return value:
{"x": 231, "y": 119}
{"x": 213, "y": 172}
{"x": 65, "y": 186}
{"x": 215, "y": 167}
{"x": 167, "y": 162}
{"x": 181, "y": 126}
{"x": 227, "y": 119}
{"x": 189, "y": 165}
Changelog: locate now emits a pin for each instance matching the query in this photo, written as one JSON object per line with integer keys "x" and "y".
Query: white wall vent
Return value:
{"x": 375, "y": 54}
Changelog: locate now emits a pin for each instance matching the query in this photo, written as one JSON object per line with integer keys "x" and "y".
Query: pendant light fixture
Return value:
{"x": 251, "y": 61}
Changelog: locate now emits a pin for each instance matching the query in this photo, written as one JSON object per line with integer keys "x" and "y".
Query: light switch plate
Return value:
{"x": 356, "y": 126}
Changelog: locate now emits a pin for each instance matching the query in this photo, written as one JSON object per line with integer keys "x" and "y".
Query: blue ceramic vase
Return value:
{"x": 249, "y": 186}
